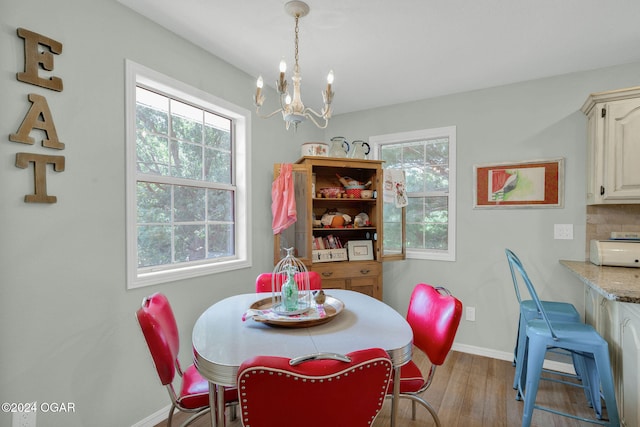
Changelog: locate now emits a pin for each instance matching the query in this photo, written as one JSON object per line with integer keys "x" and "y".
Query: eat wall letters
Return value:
{"x": 38, "y": 54}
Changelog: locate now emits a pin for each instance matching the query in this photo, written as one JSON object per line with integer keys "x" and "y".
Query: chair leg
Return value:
{"x": 234, "y": 412}
{"x": 521, "y": 371}
{"x": 580, "y": 365}
{"x": 592, "y": 378}
{"x": 515, "y": 348}
{"x": 170, "y": 416}
{"x": 417, "y": 399}
{"x": 195, "y": 416}
{"x": 535, "y": 360}
{"x": 603, "y": 365}
{"x": 521, "y": 344}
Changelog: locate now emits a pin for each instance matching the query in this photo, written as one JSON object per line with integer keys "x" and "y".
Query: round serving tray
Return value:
{"x": 332, "y": 307}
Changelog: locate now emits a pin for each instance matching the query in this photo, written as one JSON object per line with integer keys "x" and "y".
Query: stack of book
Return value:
{"x": 328, "y": 249}
{"x": 328, "y": 242}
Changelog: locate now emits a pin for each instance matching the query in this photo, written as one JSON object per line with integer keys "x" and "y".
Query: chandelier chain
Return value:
{"x": 296, "y": 43}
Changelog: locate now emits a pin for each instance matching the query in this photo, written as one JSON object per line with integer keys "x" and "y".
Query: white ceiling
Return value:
{"x": 385, "y": 52}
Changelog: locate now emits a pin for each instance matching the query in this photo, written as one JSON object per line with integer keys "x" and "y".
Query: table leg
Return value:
{"x": 220, "y": 406}
{"x": 217, "y": 405}
{"x": 213, "y": 403}
{"x": 396, "y": 395}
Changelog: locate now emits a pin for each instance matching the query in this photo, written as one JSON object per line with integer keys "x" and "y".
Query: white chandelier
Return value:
{"x": 292, "y": 109}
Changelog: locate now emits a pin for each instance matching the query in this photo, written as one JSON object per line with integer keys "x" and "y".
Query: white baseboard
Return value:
{"x": 503, "y": 355}
{"x": 155, "y": 418}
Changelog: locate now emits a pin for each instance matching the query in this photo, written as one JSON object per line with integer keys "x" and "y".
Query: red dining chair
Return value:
{"x": 160, "y": 331}
{"x": 318, "y": 390}
{"x": 263, "y": 282}
{"x": 434, "y": 315}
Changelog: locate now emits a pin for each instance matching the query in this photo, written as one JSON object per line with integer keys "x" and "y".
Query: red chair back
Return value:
{"x": 314, "y": 393}
{"x": 263, "y": 282}
{"x": 434, "y": 318}
{"x": 161, "y": 333}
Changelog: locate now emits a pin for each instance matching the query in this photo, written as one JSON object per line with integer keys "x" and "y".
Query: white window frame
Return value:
{"x": 241, "y": 123}
{"x": 449, "y": 132}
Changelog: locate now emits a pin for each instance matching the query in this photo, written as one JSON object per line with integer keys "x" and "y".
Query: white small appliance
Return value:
{"x": 618, "y": 253}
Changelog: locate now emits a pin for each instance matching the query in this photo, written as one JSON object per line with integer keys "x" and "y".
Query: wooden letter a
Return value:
{"x": 39, "y": 109}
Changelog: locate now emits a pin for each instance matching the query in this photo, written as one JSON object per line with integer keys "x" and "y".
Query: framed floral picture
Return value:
{"x": 531, "y": 184}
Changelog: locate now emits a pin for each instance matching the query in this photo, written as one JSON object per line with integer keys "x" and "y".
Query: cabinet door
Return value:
{"x": 622, "y": 174}
{"x": 366, "y": 278}
{"x": 366, "y": 285}
{"x": 608, "y": 327}
{"x": 595, "y": 156}
{"x": 591, "y": 302}
{"x": 629, "y": 396}
{"x": 297, "y": 235}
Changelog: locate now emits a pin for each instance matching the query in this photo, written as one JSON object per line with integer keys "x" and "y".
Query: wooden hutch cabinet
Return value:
{"x": 362, "y": 271}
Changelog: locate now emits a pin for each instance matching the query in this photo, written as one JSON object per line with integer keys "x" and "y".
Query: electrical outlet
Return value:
{"x": 563, "y": 231}
{"x": 24, "y": 419}
{"x": 471, "y": 314}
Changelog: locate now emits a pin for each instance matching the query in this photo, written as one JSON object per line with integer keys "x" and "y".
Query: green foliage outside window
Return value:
{"x": 426, "y": 166}
{"x": 185, "y": 190}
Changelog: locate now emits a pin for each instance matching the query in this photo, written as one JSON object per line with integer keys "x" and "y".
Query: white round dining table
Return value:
{"x": 222, "y": 340}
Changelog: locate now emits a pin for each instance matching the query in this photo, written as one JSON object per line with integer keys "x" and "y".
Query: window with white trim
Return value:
{"x": 187, "y": 180}
{"x": 428, "y": 158}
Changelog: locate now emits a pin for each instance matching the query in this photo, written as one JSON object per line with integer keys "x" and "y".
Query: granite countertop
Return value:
{"x": 614, "y": 283}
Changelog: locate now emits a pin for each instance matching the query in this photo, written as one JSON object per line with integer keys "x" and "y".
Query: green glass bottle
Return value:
{"x": 290, "y": 291}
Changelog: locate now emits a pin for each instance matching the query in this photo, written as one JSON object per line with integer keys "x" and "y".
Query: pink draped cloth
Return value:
{"x": 283, "y": 201}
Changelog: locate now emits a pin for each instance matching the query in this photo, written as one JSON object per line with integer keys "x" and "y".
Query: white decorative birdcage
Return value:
{"x": 290, "y": 288}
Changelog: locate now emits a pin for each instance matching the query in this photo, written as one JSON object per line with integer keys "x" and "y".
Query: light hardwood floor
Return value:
{"x": 472, "y": 391}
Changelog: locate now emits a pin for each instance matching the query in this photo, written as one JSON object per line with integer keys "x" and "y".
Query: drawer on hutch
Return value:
{"x": 340, "y": 270}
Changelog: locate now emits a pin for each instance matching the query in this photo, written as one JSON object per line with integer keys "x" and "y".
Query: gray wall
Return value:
{"x": 67, "y": 327}
{"x": 526, "y": 121}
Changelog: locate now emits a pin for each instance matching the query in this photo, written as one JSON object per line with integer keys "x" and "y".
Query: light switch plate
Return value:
{"x": 471, "y": 314}
{"x": 563, "y": 231}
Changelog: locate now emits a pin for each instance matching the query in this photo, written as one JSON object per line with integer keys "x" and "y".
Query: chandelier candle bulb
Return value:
{"x": 283, "y": 69}
{"x": 259, "y": 85}
{"x": 281, "y": 84}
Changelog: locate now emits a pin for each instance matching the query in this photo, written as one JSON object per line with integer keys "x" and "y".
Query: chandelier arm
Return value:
{"x": 324, "y": 115}
{"x": 268, "y": 115}
{"x": 313, "y": 119}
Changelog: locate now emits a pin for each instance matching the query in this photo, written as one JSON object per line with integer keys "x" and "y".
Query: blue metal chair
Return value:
{"x": 563, "y": 311}
{"x": 583, "y": 341}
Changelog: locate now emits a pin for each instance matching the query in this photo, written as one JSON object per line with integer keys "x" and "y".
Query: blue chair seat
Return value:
{"x": 584, "y": 342}
{"x": 557, "y": 311}
{"x": 562, "y": 311}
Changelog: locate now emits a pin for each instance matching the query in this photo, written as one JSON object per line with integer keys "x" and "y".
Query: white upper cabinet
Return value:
{"x": 613, "y": 153}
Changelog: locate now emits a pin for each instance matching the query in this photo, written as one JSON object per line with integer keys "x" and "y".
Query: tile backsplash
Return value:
{"x": 603, "y": 219}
